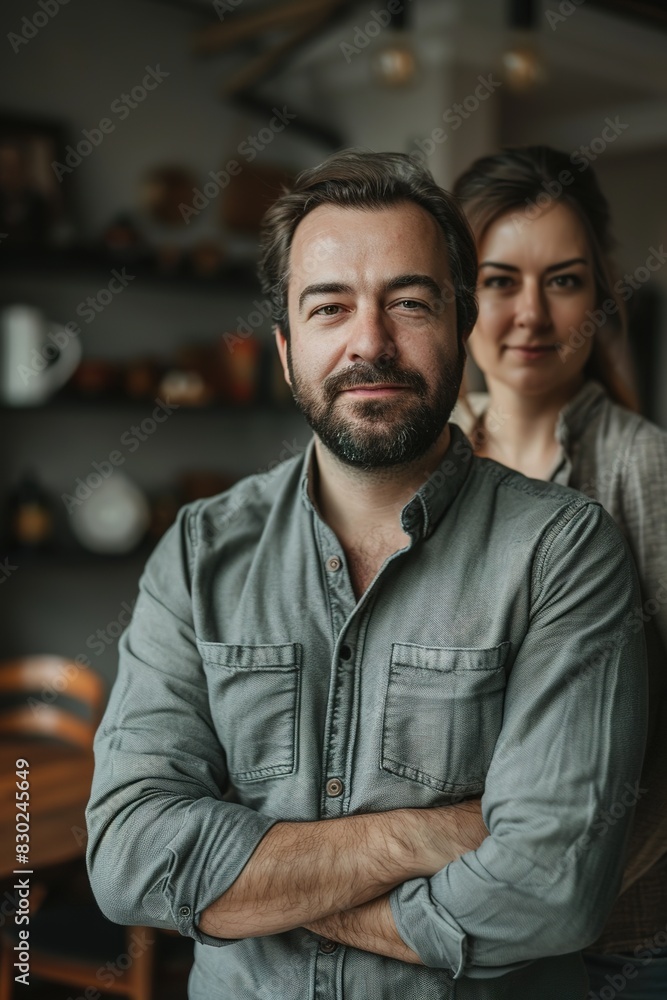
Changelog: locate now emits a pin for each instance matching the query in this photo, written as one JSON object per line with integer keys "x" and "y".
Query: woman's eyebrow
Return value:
{"x": 552, "y": 267}
{"x": 503, "y": 267}
{"x": 567, "y": 263}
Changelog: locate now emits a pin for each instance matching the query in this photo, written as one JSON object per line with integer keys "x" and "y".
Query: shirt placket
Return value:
{"x": 329, "y": 956}
{"x": 341, "y": 687}
{"x": 349, "y": 620}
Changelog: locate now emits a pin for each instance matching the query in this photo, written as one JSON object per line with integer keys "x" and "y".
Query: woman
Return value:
{"x": 549, "y": 341}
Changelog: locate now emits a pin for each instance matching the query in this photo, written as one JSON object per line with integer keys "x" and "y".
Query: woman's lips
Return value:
{"x": 535, "y": 352}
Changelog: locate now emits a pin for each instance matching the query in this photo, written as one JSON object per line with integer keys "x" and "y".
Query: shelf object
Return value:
{"x": 72, "y": 402}
{"x": 237, "y": 277}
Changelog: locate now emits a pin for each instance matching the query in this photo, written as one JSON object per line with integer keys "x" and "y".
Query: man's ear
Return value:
{"x": 281, "y": 344}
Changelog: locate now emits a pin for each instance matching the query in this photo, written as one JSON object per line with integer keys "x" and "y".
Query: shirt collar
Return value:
{"x": 422, "y": 512}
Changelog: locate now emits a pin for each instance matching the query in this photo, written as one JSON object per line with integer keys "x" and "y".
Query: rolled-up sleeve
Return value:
{"x": 564, "y": 778}
{"x": 163, "y": 843}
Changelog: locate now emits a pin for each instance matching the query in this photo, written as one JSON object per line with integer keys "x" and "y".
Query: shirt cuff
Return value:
{"x": 428, "y": 929}
{"x": 197, "y": 878}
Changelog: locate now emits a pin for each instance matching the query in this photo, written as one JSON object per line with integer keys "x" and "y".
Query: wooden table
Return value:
{"x": 60, "y": 778}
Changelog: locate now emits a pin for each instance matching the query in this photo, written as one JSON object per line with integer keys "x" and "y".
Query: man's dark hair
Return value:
{"x": 356, "y": 178}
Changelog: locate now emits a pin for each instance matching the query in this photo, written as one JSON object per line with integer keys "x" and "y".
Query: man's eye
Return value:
{"x": 321, "y": 311}
{"x": 411, "y": 305}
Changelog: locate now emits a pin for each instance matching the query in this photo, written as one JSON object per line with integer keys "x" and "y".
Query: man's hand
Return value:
{"x": 301, "y": 872}
{"x": 370, "y": 927}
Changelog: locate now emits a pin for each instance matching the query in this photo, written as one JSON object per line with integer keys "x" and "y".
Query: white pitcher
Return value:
{"x": 36, "y": 356}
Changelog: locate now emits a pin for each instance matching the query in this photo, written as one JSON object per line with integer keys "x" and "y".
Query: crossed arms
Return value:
{"x": 333, "y": 876}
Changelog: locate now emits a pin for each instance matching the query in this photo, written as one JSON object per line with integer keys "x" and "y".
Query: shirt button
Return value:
{"x": 345, "y": 652}
{"x": 327, "y": 946}
{"x": 184, "y": 911}
{"x": 334, "y": 564}
{"x": 334, "y": 787}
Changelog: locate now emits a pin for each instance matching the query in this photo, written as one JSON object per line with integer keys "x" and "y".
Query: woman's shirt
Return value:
{"x": 619, "y": 458}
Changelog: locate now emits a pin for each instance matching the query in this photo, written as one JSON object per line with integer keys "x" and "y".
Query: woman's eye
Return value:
{"x": 567, "y": 281}
{"x": 497, "y": 281}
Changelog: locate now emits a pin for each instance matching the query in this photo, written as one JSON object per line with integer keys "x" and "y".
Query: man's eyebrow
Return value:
{"x": 412, "y": 280}
{"x": 552, "y": 267}
{"x": 394, "y": 284}
{"x": 323, "y": 288}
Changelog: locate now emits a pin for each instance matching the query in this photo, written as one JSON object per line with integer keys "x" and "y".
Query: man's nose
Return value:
{"x": 532, "y": 308}
{"x": 370, "y": 336}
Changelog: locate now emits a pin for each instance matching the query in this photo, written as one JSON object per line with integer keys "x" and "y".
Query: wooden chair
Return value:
{"x": 58, "y": 702}
{"x": 34, "y": 687}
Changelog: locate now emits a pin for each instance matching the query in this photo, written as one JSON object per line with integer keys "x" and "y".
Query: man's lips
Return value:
{"x": 375, "y": 389}
{"x": 374, "y": 386}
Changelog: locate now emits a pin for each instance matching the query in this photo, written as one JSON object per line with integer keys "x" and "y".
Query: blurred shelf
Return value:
{"x": 77, "y": 261}
{"x": 72, "y": 556}
{"x": 66, "y": 401}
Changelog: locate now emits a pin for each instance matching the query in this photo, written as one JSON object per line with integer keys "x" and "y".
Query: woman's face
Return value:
{"x": 535, "y": 286}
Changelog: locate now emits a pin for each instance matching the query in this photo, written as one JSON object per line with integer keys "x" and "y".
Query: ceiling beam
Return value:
{"x": 267, "y": 62}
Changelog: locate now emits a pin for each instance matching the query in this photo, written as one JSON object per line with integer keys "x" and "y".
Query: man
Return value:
{"x": 330, "y": 663}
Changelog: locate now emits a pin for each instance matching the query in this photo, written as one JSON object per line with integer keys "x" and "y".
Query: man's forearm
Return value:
{"x": 301, "y": 872}
{"x": 369, "y": 927}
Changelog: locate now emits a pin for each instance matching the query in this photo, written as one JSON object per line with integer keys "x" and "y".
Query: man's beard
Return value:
{"x": 382, "y": 432}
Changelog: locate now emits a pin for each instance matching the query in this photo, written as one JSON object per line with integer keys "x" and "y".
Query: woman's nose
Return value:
{"x": 532, "y": 309}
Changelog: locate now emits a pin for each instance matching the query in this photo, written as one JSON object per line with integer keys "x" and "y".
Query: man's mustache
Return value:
{"x": 367, "y": 374}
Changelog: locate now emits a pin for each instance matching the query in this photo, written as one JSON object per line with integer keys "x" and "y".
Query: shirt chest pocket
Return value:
{"x": 442, "y": 714}
{"x": 254, "y": 698}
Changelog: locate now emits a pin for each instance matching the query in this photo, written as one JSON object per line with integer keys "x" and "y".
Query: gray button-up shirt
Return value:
{"x": 493, "y": 655}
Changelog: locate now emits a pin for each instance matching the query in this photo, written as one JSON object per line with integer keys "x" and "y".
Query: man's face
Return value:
{"x": 373, "y": 360}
